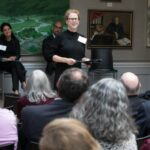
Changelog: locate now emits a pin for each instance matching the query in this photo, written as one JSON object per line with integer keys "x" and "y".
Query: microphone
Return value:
{"x": 90, "y": 61}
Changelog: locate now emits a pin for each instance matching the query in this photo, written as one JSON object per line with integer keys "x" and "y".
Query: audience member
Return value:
{"x": 57, "y": 28}
{"x": 67, "y": 134}
{"x": 8, "y": 126}
{"x": 104, "y": 109}
{"x": 9, "y": 57}
{"x": 72, "y": 84}
{"x": 38, "y": 91}
{"x": 140, "y": 107}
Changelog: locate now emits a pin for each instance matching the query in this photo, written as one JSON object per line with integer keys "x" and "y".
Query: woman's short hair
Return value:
{"x": 38, "y": 87}
{"x": 104, "y": 109}
{"x": 67, "y": 134}
{"x": 69, "y": 11}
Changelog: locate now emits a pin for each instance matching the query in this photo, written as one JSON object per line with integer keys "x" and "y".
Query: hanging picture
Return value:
{"x": 148, "y": 24}
{"x": 32, "y": 20}
{"x": 111, "y": 0}
{"x": 109, "y": 29}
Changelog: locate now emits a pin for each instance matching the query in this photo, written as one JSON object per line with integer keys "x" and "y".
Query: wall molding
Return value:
{"x": 142, "y": 69}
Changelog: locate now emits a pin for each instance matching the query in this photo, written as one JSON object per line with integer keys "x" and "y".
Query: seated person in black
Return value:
{"x": 140, "y": 108}
{"x": 57, "y": 28}
{"x": 9, "y": 57}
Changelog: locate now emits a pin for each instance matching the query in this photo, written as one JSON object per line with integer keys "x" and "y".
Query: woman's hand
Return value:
{"x": 12, "y": 58}
{"x": 6, "y": 59}
{"x": 59, "y": 59}
{"x": 70, "y": 61}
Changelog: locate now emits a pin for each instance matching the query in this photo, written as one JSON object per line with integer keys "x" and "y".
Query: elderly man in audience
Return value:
{"x": 71, "y": 135}
{"x": 104, "y": 109}
{"x": 140, "y": 107}
{"x": 71, "y": 85}
{"x": 8, "y": 127}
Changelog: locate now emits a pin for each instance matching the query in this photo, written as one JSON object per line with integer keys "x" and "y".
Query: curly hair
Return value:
{"x": 104, "y": 109}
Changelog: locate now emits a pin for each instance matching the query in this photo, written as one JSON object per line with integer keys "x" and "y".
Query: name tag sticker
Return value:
{"x": 82, "y": 39}
{"x": 3, "y": 47}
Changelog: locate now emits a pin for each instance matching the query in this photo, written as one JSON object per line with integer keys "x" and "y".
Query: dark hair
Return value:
{"x": 1, "y": 28}
{"x": 72, "y": 84}
{"x": 5, "y": 24}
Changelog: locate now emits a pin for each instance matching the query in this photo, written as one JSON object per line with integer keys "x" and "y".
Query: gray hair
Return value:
{"x": 38, "y": 87}
{"x": 104, "y": 109}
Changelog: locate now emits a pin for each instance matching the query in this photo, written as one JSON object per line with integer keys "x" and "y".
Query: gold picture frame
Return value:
{"x": 109, "y": 29}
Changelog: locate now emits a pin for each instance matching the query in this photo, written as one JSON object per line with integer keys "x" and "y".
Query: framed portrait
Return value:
{"x": 109, "y": 29}
{"x": 111, "y": 0}
{"x": 148, "y": 24}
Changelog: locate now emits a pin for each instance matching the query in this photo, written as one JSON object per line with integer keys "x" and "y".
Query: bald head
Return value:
{"x": 57, "y": 28}
{"x": 131, "y": 82}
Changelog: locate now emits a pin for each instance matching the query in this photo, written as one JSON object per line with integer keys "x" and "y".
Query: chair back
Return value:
{"x": 143, "y": 141}
{"x": 33, "y": 145}
{"x": 10, "y": 102}
{"x": 7, "y": 147}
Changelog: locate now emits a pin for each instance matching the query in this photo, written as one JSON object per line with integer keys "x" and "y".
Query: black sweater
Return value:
{"x": 13, "y": 48}
{"x": 67, "y": 45}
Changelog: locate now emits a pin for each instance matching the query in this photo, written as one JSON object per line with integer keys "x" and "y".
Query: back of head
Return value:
{"x": 104, "y": 108}
{"x": 67, "y": 134}
{"x": 72, "y": 84}
{"x": 131, "y": 83}
{"x": 38, "y": 87}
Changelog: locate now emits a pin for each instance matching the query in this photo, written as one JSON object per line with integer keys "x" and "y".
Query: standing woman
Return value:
{"x": 68, "y": 46}
{"x": 9, "y": 57}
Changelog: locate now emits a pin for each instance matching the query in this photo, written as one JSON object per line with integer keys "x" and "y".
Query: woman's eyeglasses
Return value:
{"x": 73, "y": 19}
